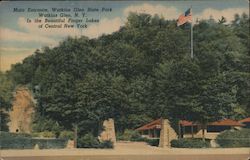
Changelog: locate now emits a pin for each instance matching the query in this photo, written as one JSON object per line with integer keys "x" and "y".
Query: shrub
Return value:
{"x": 50, "y": 143}
{"x": 119, "y": 136}
{"x": 47, "y": 134}
{"x": 152, "y": 142}
{"x": 35, "y": 134}
{"x": 130, "y": 135}
{"x": 44, "y": 124}
{"x": 189, "y": 143}
{"x": 4, "y": 119}
{"x": 234, "y": 138}
{"x": 89, "y": 141}
{"x": 67, "y": 135}
{"x": 126, "y": 135}
{"x": 137, "y": 137}
{"x": 106, "y": 144}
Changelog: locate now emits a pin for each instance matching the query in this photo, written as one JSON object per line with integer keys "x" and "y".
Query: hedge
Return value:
{"x": 11, "y": 135}
{"x": 189, "y": 143}
{"x": 29, "y": 143}
{"x": 24, "y": 141}
{"x": 16, "y": 143}
{"x": 234, "y": 138}
{"x": 50, "y": 143}
{"x": 45, "y": 134}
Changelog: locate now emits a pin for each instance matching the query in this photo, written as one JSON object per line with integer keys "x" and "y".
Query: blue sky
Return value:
{"x": 19, "y": 39}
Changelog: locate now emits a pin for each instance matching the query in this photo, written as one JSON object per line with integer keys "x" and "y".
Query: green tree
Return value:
{"x": 142, "y": 72}
{"x": 6, "y": 95}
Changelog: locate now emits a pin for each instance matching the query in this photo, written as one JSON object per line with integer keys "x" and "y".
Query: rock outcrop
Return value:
{"x": 22, "y": 111}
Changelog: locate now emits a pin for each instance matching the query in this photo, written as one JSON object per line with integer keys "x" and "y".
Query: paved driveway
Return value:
{"x": 136, "y": 157}
{"x": 129, "y": 151}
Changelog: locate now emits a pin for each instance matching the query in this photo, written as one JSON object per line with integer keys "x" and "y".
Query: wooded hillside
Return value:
{"x": 142, "y": 72}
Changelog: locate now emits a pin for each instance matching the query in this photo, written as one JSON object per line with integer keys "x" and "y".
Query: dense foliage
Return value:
{"x": 90, "y": 141}
{"x": 234, "y": 138}
{"x": 152, "y": 142}
{"x": 142, "y": 72}
{"x": 189, "y": 143}
{"x": 24, "y": 141}
{"x": 130, "y": 135}
{"x": 6, "y": 89}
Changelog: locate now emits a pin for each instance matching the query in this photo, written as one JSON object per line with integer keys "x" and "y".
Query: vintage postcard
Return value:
{"x": 124, "y": 80}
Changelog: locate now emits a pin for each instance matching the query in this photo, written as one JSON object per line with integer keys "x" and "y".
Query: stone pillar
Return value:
{"x": 108, "y": 132}
{"x": 167, "y": 134}
{"x": 36, "y": 147}
{"x": 70, "y": 144}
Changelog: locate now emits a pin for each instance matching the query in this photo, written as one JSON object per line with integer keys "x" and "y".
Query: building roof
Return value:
{"x": 226, "y": 122}
{"x": 187, "y": 123}
{"x": 246, "y": 120}
{"x": 223, "y": 122}
{"x": 152, "y": 125}
{"x": 156, "y": 124}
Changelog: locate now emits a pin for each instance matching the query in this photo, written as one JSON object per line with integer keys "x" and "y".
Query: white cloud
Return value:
{"x": 13, "y": 49}
{"x": 216, "y": 14}
{"x": 166, "y": 12}
{"x": 7, "y": 61}
{"x": 173, "y": 13}
{"x": 32, "y": 27}
{"x": 12, "y": 55}
{"x": 16, "y": 36}
{"x": 105, "y": 26}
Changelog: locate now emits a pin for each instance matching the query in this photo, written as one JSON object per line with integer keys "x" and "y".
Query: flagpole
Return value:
{"x": 192, "y": 51}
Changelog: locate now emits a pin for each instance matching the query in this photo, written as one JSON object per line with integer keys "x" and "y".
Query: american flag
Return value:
{"x": 184, "y": 18}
